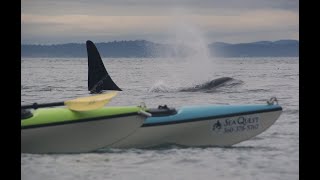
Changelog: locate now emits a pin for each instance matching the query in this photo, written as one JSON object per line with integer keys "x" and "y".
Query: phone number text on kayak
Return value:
{"x": 239, "y": 124}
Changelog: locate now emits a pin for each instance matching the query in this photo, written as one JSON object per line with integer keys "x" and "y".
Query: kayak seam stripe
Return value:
{"x": 210, "y": 117}
{"x": 78, "y": 121}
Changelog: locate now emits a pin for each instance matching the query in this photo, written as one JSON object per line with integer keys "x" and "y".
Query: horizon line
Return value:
{"x": 162, "y": 43}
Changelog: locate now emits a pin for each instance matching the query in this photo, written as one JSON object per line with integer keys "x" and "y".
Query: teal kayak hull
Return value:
{"x": 205, "y": 125}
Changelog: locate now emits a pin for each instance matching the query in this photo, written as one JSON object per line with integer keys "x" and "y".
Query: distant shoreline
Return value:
{"x": 148, "y": 49}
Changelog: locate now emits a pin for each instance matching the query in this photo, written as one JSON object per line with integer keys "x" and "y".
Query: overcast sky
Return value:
{"x": 232, "y": 21}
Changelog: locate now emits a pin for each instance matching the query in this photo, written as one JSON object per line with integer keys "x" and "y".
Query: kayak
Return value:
{"x": 203, "y": 125}
{"x": 61, "y": 130}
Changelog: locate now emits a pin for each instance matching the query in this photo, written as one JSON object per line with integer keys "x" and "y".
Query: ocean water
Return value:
{"x": 274, "y": 154}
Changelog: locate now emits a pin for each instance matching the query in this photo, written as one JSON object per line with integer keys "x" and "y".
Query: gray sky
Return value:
{"x": 232, "y": 21}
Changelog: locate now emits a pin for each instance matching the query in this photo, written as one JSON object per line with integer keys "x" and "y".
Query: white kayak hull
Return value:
{"x": 78, "y": 137}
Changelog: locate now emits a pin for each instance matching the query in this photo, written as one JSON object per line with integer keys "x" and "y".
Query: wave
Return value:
{"x": 160, "y": 87}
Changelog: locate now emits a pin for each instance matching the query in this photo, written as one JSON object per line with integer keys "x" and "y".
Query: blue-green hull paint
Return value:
{"x": 205, "y": 112}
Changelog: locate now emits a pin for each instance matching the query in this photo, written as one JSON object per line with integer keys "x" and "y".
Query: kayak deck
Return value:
{"x": 47, "y": 116}
{"x": 203, "y": 112}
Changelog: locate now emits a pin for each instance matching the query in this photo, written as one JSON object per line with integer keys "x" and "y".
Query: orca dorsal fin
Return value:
{"x": 98, "y": 77}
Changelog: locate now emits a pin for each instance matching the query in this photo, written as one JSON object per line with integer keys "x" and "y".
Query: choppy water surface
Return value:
{"x": 274, "y": 154}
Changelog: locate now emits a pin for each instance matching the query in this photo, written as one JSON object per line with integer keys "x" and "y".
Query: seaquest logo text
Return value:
{"x": 242, "y": 123}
